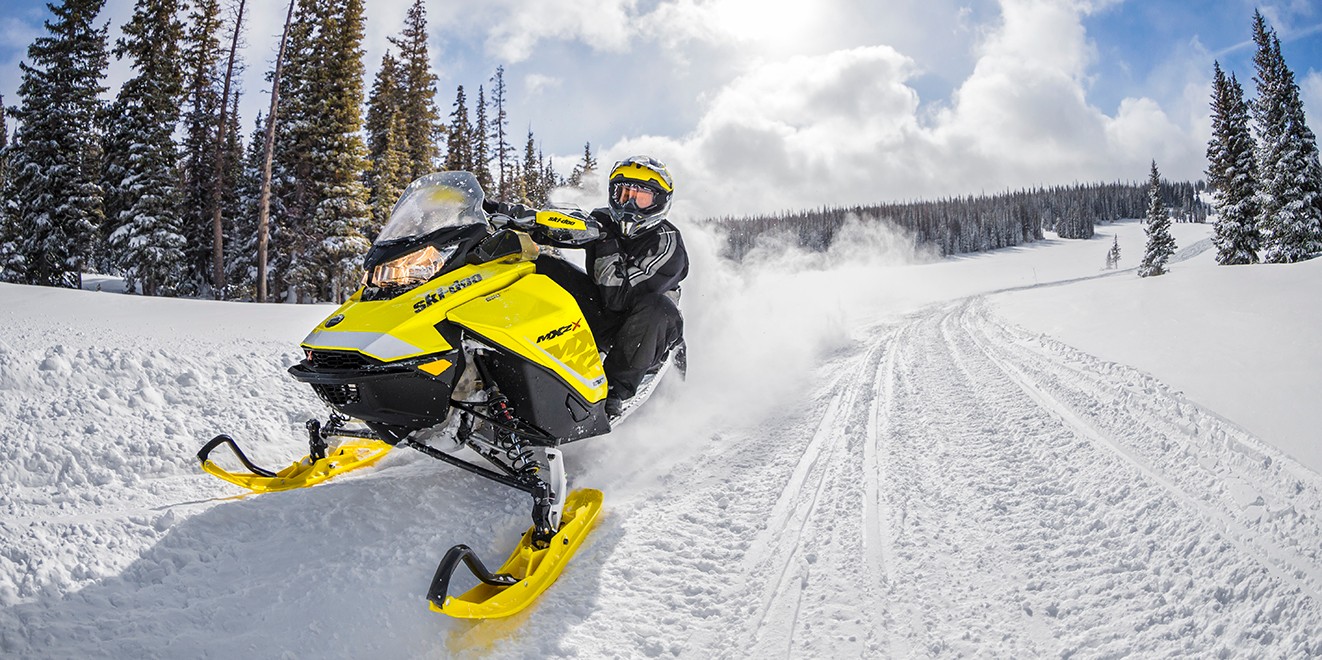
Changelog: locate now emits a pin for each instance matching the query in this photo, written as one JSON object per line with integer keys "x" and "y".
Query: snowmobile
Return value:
{"x": 464, "y": 335}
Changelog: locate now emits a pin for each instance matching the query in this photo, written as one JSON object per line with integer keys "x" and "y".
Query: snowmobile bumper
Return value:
{"x": 318, "y": 466}
{"x": 393, "y": 399}
{"x": 524, "y": 576}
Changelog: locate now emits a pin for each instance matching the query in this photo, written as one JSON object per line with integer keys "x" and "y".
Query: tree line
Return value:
{"x": 159, "y": 187}
{"x": 1263, "y": 167}
{"x": 959, "y": 225}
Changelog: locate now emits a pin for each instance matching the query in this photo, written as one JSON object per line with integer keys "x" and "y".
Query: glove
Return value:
{"x": 490, "y": 205}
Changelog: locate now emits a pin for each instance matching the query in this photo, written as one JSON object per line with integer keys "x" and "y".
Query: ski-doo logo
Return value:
{"x": 559, "y": 220}
{"x": 438, "y": 295}
{"x": 560, "y": 331}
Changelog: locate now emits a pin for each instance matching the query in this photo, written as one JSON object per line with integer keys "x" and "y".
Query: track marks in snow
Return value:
{"x": 963, "y": 488}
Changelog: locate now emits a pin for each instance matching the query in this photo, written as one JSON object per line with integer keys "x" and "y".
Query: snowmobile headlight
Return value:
{"x": 411, "y": 269}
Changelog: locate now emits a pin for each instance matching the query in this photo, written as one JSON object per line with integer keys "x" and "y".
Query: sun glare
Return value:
{"x": 763, "y": 23}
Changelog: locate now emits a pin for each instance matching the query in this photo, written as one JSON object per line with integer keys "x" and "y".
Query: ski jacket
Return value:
{"x": 625, "y": 269}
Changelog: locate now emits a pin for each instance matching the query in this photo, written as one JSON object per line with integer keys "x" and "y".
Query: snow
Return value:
{"x": 1008, "y": 454}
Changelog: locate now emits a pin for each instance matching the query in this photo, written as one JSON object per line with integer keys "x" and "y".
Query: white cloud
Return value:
{"x": 1311, "y": 91}
{"x": 846, "y": 127}
{"x": 535, "y": 83}
{"x": 520, "y": 25}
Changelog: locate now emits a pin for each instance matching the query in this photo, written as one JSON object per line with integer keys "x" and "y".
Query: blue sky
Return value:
{"x": 761, "y": 105}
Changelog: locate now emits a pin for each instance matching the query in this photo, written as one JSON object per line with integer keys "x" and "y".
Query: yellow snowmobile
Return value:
{"x": 462, "y": 336}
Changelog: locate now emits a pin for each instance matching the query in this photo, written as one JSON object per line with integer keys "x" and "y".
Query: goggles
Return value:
{"x": 642, "y": 197}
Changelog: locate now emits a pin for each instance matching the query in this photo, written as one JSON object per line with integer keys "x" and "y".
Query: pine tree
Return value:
{"x": 459, "y": 148}
{"x": 387, "y": 141}
{"x": 1290, "y": 175}
{"x": 53, "y": 195}
{"x": 4, "y": 160}
{"x": 481, "y": 153}
{"x": 583, "y": 171}
{"x": 1160, "y": 244}
{"x": 241, "y": 266}
{"x": 422, "y": 118}
{"x": 289, "y": 234}
{"x": 1231, "y": 173}
{"x": 499, "y": 135}
{"x": 531, "y": 184}
{"x": 200, "y": 57}
{"x": 1113, "y": 255}
{"x": 142, "y": 190}
{"x": 4, "y": 153}
{"x": 329, "y": 266}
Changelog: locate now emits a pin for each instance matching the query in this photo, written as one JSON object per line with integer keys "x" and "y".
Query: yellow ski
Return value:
{"x": 350, "y": 455}
{"x": 525, "y": 575}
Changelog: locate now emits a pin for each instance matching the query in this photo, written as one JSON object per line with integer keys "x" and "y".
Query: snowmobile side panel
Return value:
{"x": 405, "y": 327}
{"x": 538, "y": 320}
{"x": 534, "y": 568}
{"x": 350, "y": 455}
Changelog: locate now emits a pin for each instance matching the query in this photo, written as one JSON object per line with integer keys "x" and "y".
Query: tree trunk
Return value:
{"x": 217, "y": 182}
{"x": 264, "y": 202}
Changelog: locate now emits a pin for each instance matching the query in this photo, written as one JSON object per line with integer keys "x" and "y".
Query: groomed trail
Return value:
{"x": 947, "y": 484}
{"x": 963, "y": 487}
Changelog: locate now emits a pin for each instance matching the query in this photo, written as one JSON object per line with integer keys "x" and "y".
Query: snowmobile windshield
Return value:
{"x": 437, "y": 201}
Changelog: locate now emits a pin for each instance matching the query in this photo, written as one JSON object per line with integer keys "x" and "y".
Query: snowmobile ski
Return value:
{"x": 321, "y": 463}
{"x": 525, "y": 575}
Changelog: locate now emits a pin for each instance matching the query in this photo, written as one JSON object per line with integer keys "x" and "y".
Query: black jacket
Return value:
{"x": 625, "y": 269}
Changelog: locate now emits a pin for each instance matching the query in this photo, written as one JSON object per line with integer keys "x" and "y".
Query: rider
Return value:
{"x": 637, "y": 263}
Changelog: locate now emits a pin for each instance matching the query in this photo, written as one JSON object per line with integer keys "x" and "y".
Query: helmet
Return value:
{"x": 640, "y": 190}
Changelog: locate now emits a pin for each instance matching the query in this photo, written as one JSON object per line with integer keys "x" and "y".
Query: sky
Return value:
{"x": 761, "y": 106}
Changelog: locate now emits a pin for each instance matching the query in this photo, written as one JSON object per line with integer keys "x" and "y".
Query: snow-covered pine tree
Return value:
{"x": 1231, "y": 173}
{"x": 200, "y": 57}
{"x": 339, "y": 215}
{"x": 481, "y": 152}
{"x": 290, "y": 235}
{"x": 1113, "y": 255}
{"x": 1160, "y": 244}
{"x": 147, "y": 242}
{"x": 422, "y": 118}
{"x": 4, "y": 160}
{"x": 1289, "y": 172}
{"x": 53, "y": 193}
{"x": 459, "y": 146}
{"x": 499, "y": 136}
{"x": 4, "y": 155}
{"x": 387, "y": 142}
{"x": 241, "y": 264}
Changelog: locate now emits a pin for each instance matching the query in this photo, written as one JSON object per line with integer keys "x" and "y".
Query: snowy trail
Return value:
{"x": 964, "y": 487}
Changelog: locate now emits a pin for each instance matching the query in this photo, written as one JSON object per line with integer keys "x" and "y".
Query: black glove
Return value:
{"x": 490, "y": 205}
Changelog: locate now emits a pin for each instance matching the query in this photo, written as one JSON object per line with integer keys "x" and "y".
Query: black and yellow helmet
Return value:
{"x": 640, "y": 191}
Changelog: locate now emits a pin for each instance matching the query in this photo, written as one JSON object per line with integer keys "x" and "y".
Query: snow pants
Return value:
{"x": 641, "y": 338}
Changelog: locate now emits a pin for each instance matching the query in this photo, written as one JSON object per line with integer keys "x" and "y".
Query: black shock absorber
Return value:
{"x": 521, "y": 456}
{"x": 516, "y": 448}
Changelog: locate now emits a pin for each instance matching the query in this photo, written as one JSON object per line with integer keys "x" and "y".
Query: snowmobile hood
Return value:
{"x": 405, "y": 327}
